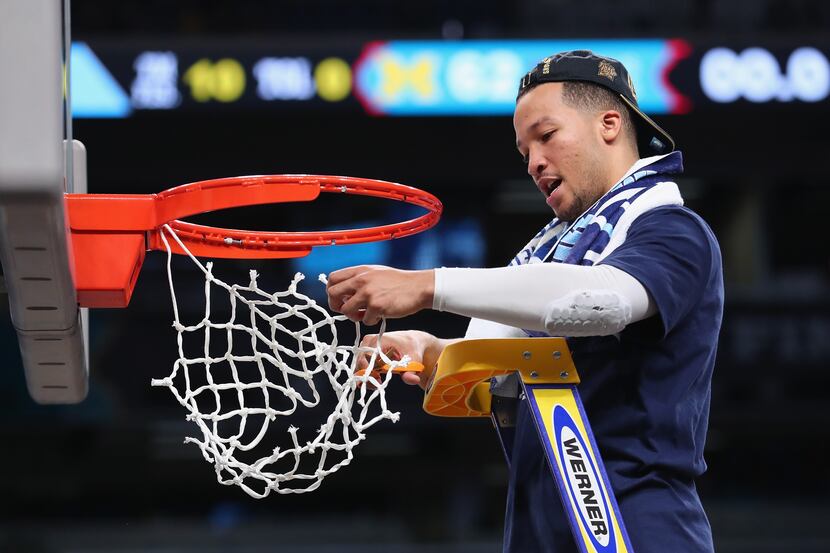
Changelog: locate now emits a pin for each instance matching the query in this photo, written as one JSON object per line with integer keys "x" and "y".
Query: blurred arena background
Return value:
{"x": 168, "y": 92}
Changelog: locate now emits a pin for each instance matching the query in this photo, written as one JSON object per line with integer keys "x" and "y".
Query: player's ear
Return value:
{"x": 610, "y": 125}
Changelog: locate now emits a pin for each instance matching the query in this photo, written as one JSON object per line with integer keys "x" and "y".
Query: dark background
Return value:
{"x": 111, "y": 474}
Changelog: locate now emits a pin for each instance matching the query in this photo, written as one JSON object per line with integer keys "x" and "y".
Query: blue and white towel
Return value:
{"x": 603, "y": 227}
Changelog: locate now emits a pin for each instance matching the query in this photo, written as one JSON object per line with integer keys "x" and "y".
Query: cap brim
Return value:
{"x": 651, "y": 138}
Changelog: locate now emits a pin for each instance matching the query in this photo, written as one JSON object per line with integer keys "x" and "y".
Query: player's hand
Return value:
{"x": 421, "y": 347}
{"x": 370, "y": 292}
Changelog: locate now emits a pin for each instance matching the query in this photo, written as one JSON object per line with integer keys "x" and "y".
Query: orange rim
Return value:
{"x": 149, "y": 213}
{"x": 111, "y": 232}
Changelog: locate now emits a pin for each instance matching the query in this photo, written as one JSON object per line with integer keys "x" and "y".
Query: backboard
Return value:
{"x": 36, "y": 168}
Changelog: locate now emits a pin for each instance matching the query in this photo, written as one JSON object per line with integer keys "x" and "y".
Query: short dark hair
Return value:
{"x": 587, "y": 96}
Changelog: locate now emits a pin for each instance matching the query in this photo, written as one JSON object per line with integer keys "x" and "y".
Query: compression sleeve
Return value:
{"x": 565, "y": 300}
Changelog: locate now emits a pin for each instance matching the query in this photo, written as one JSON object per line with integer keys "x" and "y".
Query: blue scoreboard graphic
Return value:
{"x": 406, "y": 78}
{"x": 481, "y": 77}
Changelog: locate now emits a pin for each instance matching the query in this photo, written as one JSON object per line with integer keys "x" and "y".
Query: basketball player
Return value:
{"x": 625, "y": 271}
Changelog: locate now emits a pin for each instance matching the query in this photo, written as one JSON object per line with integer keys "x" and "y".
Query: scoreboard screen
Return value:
{"x": 427, "y": 78}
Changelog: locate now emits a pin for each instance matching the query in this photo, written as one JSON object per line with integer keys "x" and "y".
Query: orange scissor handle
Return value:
{"x": 411, "y": 367}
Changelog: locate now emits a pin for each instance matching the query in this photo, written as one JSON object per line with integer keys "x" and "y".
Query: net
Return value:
{"x": 244, "y": 368}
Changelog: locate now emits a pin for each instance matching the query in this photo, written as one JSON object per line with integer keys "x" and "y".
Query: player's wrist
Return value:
{"x": 427, "y": 288}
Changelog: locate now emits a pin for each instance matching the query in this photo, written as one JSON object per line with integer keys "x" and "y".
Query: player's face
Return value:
{"x": 561, "y": 146}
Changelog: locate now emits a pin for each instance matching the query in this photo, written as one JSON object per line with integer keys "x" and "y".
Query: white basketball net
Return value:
{"x": 235, "y": 397}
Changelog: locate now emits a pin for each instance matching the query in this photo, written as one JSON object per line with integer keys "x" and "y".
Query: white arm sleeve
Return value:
{"x": 563, "y": 300}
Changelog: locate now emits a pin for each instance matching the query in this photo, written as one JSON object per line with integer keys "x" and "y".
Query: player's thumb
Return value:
{"x": 411, "y": 378}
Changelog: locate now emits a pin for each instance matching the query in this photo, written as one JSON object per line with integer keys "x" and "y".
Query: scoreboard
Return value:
{"x": 427, "y": 78}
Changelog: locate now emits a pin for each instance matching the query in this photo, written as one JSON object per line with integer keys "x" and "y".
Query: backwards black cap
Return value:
{"x": 584, "y": 65}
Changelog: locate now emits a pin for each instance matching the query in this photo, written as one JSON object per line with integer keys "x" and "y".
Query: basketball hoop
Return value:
{"x": 111, "y": 232}
{"x": 291, "y": 354}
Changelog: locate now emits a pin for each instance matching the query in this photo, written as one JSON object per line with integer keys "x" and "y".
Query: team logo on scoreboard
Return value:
{"x": 584, "y": 483}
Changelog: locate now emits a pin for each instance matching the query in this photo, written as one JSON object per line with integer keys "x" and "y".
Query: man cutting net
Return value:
{"x": 625, "y": 271}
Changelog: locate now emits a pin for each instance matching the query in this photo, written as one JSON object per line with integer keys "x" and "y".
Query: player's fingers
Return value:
{"x": 369, "y": 341}
{"x": 372, "y": 316}
{"x": 392, "y": 353}
{"x": 345, "y": 287}
{"x": 363, "y": 361}
{"x": 336, "y": 277}
{"x": 411, "y": 378}
{"x": 336, "y": 304}
{"x": 354, "y": 308}
{"x": 340, "y": 294}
